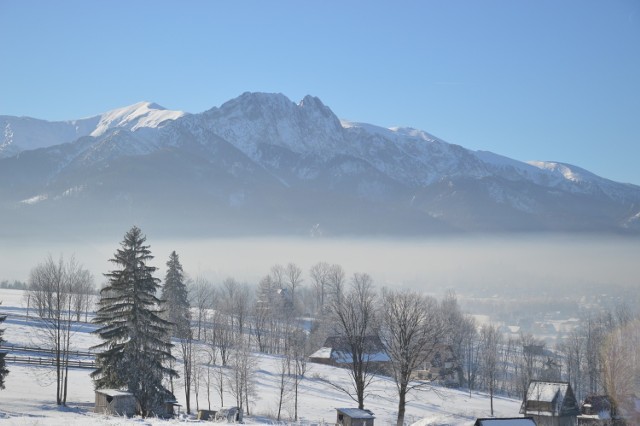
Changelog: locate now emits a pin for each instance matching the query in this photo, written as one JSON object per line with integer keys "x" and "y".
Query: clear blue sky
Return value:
{"x": 532, "y": 80}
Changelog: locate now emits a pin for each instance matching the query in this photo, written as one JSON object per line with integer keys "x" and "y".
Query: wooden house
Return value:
{"x": 354, "y": 417}
{"x": 551, "y": 404}
{"x": 336, "y": 351}
{"x": 603, "y": 410}
{"x": 506, "y": 421}
{"x": 440, "y": 366}
{"x": 115, "y": 402}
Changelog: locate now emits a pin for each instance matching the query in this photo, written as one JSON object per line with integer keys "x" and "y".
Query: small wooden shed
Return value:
{"x": 171, "y": 407}
{"x": 115, "y": 402}
{"x": 227, "y": 414}
{"x": 354, "y": 417}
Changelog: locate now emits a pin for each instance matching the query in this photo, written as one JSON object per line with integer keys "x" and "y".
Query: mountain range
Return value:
{"x": 261, "y": 164}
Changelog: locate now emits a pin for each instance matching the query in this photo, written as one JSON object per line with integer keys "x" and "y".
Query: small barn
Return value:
{"x": 506, "y": 421}
{"x": 337, "y": 352}
{"x": 603, "y": 410}
{"x": 354, "y": 417}
{"x": 171, "y": 407}
{"x": 224, "y": 414}
{"x": 440, "y": 366}
{"x": 551, "y": 404}
{"x": 115, "y": 402}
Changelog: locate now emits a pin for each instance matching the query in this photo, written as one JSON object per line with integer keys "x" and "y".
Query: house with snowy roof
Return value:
{"x": 604, "y": 410}
{"x": 597, "y": 410}
{"x": 507, "y": 421}
{"x": 440, "y": 365}
{"x": 354, "y": 417}
{"x": 551, "y": 404}
{"x": 337, "y": 352}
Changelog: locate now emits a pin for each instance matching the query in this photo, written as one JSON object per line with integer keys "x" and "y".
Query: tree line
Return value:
{"x": 203, "y": 337}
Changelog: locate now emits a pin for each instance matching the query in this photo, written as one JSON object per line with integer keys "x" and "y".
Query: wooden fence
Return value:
{"x": 48, "y": 361}
{"x": 48, "y": 358}
{"x": 16, "y": 348}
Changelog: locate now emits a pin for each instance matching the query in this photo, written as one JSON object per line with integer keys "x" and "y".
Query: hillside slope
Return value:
{"x": 29, "y": 398}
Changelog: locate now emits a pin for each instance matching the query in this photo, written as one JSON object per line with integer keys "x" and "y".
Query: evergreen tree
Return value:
{"x": 174, "y": 294}
{"x": 3, "y": 365}
{"x": 176, "y": 303}
{"x": 136, "y": 339}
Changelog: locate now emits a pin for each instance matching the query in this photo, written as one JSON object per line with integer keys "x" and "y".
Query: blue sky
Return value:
{"x": 532, "y": 80}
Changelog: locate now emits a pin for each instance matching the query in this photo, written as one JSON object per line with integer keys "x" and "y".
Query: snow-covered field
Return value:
{"x": 29, "y": 397}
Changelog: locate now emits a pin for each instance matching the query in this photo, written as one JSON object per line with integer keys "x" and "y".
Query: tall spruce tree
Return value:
{"x": 174, "y": 294}
{"x": 176, "y": 304}
{"x": 136, "y": 337}
{"x": 3, "y": 365}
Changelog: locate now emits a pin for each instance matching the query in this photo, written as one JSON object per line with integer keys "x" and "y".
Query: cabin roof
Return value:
{"x": 512, "y": 421}
{"x": 546, "y": 391}
{"x": 113, "y": 392}
{"x": 356, "y": 413}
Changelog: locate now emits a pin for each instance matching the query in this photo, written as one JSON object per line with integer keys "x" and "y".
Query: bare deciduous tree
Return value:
{"x": 54, "y": 289}
{"x": 336, "y": 278}
{"x": 354, "y": 320}
{"x": 188, "y": 364}
{"x": 264, "y": 314}
{"x": 84, "y": 294}
{"x": 319, "y": 274}
{"x": 235, "y": 301}
{"x": 620, "y": 361}
{"x": 201, "y": 297}
{"x": 530, "y": 363}
{"x": 222, "y": 336}
{"x": 470, "y": 349}
{"x": 293, "y": 276}
{"x": 490, "y": 341}
{"x": 284, "y": 382}
{"x": 241, "y": 383}
{"x": 278, "y": 275}
{"x": 412, "y": 328}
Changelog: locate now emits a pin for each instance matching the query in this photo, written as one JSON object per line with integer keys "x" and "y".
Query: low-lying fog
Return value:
{"x": 435, "y": 265}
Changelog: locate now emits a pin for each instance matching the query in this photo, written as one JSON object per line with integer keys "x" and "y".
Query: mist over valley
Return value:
{"x": 508, "y": 264}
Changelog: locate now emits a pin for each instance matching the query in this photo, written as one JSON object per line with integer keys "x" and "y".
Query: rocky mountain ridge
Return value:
{"x": 261, "y": 163}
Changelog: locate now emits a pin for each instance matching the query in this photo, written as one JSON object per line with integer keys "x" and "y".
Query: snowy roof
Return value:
{"x": 356, "y": 413}
{"x": 323, "y": 352}
{"x": 550, "y": 399}
{"x": 113, "y": 392}
{"x": 344, "y": 357}
{"x": 337, "y": 348}
{"x": 546, "y": 391}
{"x": 519, "y": 421}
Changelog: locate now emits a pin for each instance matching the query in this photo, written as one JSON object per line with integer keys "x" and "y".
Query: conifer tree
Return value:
{"x": 176, "y": 304}
{"x": 174, "y": 294}
{"x": 3, "y": 365}
{"x": 136, "y": 339}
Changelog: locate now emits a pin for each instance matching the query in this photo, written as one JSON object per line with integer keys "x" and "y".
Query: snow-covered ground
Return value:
{"x": 29, "y": 397}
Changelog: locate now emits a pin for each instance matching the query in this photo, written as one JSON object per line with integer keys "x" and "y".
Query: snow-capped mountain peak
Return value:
{"x": 133, "y": 117}
{"x": 297, "y": 163}
{"x": 569, "y": 172}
